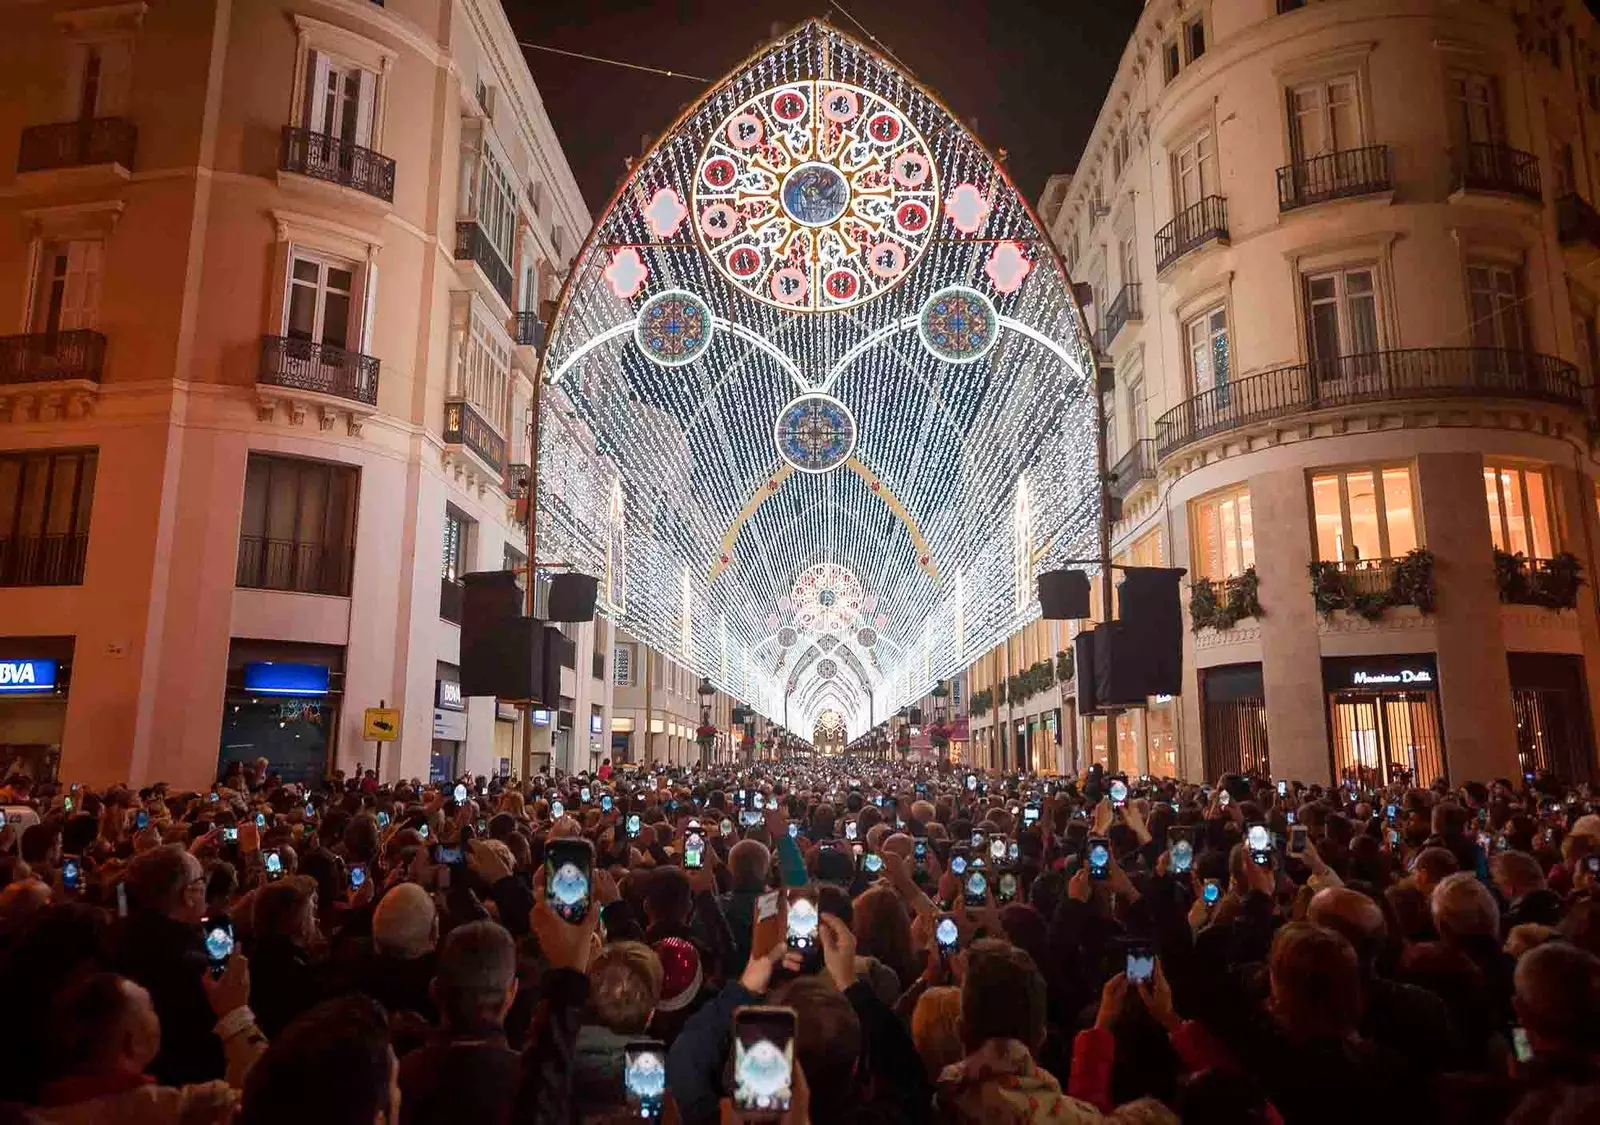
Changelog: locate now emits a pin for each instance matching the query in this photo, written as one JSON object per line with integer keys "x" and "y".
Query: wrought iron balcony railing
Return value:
{"x": 528, "y": 330}
{"x": 338, "y": 162}
{"x": 1411, "y": 373}
{"x": 473, "y": 245}
{"x": 1577, "y": 220}
{"x": 1334, "y": 175}
{"x": 78, "y": 144}
{"x": 1495, "y": 167}
{"x": 1138, "y": 464}
{"x": 1126, "y": 309}
{"x": 43, "y": 560}
{"x": 1192, "y": 228}
{"x": 518, "y": 474}
{"x": 44, "y": 357}
{"x": 283, "y": 564}
{"x": 305, "y": 365}
{"x": 466, "y": 427}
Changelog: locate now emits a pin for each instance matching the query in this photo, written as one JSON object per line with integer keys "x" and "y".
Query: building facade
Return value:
{"x": 657, "y": 710}
{"x": 1345, "y": 267}
{"x": 271, "y": 278}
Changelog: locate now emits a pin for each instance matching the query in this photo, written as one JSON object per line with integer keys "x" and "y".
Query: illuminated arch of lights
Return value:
{"x": 818, "y": 401}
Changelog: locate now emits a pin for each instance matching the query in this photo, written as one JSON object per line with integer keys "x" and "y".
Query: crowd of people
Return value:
{"x": 800, "y": 941}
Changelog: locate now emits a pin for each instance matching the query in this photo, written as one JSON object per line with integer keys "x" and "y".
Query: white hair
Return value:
{"x": 1463, "y": 906}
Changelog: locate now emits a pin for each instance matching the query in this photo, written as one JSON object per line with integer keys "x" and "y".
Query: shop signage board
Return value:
{"x": 1380, "y": 673}
{"x": 27, "y": 677}
{"x": 275, "y": 677}
{"x": 380, "y": 724}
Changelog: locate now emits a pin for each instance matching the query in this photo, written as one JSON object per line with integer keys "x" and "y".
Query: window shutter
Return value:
{"x": 116, "y": 66}
{"x": 366, "y": 108}
{"x": 80, "y": 299}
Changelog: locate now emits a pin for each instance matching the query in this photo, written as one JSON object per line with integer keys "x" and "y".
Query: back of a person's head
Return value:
{"x": 827, "y": 1042}
{"x": 1450, "y": 819}
{"x": 1222, "y": 1095}
{"x": 87, "y": 1022}
{"x": 1558, "y": 996}
{"x": 1463, "y": 907}
{"x": 1519, "y": 871}
{"x": 1316, "y": 981}
{"x": 1351, "y": 914}
{"x": 404, "y": 923}
{"x": 882, "y": 926}
{"x": 667, "y": 895}
{"x": 625, "y": 986}
{"x": 1436, "y": 863}
{"x": 936, "y": 1029}
{"x": 361, "y": 838}
{"x": 749, "y": 863}
{"x": 280, "y": 909}
{"x": 37, "y": 841}
{"x": 330, "y": 1066}
{"x": 475, "y": 975}
{"x": 156, "y": 879}
{"x": 1003, "y": 996}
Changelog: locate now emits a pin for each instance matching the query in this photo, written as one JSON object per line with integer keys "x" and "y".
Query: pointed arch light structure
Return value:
{"x": 817, "y": 324}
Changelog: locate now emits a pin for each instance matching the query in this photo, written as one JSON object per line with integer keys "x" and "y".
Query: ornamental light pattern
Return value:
{"x": 815, "y": 356}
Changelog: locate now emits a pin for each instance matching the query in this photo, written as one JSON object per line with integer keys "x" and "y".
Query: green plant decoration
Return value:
{"x": 1221, "y": 605}
{"x": 1552, "y": 583}
{"x": 1410, "y": 583}
{"x": 980, "y": 702}
{"x": 1064, "y": 665}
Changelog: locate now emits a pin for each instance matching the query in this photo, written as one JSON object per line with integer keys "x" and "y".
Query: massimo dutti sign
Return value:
{"x": 1386, "y": 672}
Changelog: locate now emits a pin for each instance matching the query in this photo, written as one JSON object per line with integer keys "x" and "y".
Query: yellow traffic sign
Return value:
{"x": 381, "y": 724}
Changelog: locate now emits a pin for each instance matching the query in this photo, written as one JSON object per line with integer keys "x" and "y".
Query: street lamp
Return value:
{"x": 706, "y": 692}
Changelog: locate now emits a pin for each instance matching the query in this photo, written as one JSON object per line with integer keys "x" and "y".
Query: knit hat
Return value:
{"x": 680, "y": 973}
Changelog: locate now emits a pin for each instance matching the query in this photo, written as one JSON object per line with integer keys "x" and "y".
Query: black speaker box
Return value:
{"x": 520, "y": 658}
{"x": 1119, "y": 679}
{"x": 914, "y": 716}
{"x": 1064, "y": 595}
{"x": 1083, "y": 646}
{"x": 1152, "y": 626}
{"x": 572, "y": 597}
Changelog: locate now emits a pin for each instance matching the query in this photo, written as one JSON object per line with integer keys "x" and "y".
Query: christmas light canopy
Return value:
{"x": 813, "y": 361}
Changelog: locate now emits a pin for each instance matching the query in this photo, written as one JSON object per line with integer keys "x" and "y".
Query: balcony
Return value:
{"x": 465, "y": 428}
{"x": 527, "y": 330}
{"x": 304, "y": 365}
{"x": 1386, "y": 376}
{"x": 1125, "y": 310}
{"x": 1133, "y": 467}
{"x": 1498, "y": 169}
{"x": 518, "y": 473}
{"x": 1370, "y": 587}
{"x": 473, "y": 245}
{"x": 450, "y": 597}
{"x": 78, "y": 144}
{"x": 1346, "y": 174}
{"x": 43, "y": 560}
{"x": 283, "y": 564}
{"x": 1577, "y": 221}
{"x": 48, "y": 357}
{"x": 1190, "y": 229}
{"x": 337, "y": 162}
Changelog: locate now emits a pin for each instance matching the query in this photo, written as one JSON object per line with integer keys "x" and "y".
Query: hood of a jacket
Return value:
{"x": 1000, "y": 1082}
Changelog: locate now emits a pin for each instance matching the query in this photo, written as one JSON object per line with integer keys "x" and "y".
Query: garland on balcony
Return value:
{"x": 940, "y": 691}
{"x": 1039, "y": 677}
{"x": 1239, "y": 598}
{"x": 1553, "y": 585}
{"x": 980, "y": 703}
{"x": 1410, "y": 583}
{"x": 1064, "y": 666}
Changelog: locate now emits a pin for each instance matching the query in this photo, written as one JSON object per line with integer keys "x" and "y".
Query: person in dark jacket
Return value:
{"x": 467, "y": 1072}
{"x": 624, "y": 989}
{"x": 284, "y": 979}
{"x": 160, "y": 947}
{"x": 749, "y": 864}
{"x": 1521, "y": 883}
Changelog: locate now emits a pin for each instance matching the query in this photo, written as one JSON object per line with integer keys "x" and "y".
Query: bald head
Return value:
{"x": 405, "y": 923}
{"x": 899, "y": 844}
{"x": 1352, "y": 914}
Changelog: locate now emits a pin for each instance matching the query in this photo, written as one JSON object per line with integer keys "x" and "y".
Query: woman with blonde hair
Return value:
{"x": 936, "y": 1029}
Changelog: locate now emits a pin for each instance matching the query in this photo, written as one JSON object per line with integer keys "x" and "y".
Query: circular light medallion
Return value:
{"x": 827, "y": 668}
{"x": 673, "y": 328}
{"x": 958, "y": 325}
{"x": 788, "y": 636}
{"x": 866, "y": 636}
{"x": 815, "y": 194}
{"x": 799, "y": 196}
{"x": 815, "y": 433}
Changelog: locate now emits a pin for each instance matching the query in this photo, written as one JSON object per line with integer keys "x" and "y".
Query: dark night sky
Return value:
{"x": 1032, "y": 72}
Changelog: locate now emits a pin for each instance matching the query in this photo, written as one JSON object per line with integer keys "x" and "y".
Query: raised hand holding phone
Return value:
{"x": 1112, "y": 997}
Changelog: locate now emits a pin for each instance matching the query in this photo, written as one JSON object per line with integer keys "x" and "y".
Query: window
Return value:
{"x": 1171, "y": 61}
{"x": 1495, "y": 294}
{"x": 490, "y": 198}
{"x": 44, "y": 517}
{"x": 1364, "y": 514}
{"x": 1209, "y": 359}
{"x": 297, "y": 531}
{"x": 1584, "y": 335}
{"x": 1138, "y": 411}
{"x": 1324, "y": 117}
{"x": 1110, "y": 409}
{"x": 1519, "y": 510}
{"x": 98, "y": 75}
{"x": 483, "y": 373}
{"x": 1194, "y": 170}
{"x": 1128, "y": 259}
{"x": 457, "y": 528}
{"x": 1224, "y": 541}
{"x": 321, "y": 301}
{"x": 516, "y": 562}
{"x": 67, "y": 292}
{"x": 1194, "y": 38}
{"x": 1341, "y": 320}
{"x": 340, "y": 99}
{"x": 1566, "y": 169}
{"x": 1475, "y": 112}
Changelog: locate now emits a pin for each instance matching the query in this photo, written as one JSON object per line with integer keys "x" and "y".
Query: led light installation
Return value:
{"x": 817, "y": 332}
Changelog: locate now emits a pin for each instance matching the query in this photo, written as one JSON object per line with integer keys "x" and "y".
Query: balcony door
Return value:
{"x": 1324, "y": 117}
{"x": 1475, "y": 117}
{"x": 67, "y": 297}
{"x": 321, "y": 301}
{"x": 1342, "y": 323}
{"x": 1194, "y": 171}
{"x": 339, "y": 99}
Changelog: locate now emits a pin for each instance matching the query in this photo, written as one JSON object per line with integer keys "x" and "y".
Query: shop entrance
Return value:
{"x": 1383, "y": 716}
{"x": 1550, "y": 700}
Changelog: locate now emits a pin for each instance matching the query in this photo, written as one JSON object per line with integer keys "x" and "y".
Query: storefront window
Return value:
{"x": 1224, "y": 537}
{"x": 1130, "y": 748}
{"x": 1519, "y": 510}
{"x": 1160, "y": 737}
{"x": 1098, "y": 746}
{"x": 1364, "y": 514}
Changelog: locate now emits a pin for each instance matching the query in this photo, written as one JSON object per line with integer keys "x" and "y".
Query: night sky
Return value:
{"x": 1030, "y": 73}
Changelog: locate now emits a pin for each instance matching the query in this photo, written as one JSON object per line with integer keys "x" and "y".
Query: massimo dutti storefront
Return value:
{"x": 1384, "y": 722}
